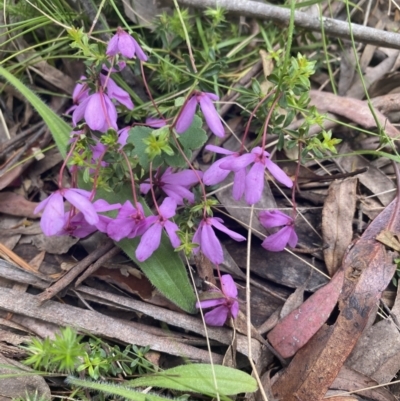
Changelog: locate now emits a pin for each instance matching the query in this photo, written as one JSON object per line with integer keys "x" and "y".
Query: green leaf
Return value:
{"x": 57, "y": 126}
{"x": 114, "y": 389}
{"x": 194, "y": 137}
{"x": 198, "y": 378}
{"x": 164, "y": 268}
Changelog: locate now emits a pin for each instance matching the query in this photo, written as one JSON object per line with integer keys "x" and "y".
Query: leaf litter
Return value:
{"x": 342, "y": 350}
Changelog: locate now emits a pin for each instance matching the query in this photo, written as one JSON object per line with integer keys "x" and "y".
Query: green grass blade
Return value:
{"x": 114, "y": 389}
{"x": 57, "y": 126}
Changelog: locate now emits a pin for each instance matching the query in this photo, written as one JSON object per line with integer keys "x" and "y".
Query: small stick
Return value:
{"x": 75, "y": 272}
{"x": 96, "y": 265}
{"x": 332, "y": 27}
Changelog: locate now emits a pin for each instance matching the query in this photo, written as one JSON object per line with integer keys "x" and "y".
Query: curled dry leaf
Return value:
{"x": 337, "y": 221}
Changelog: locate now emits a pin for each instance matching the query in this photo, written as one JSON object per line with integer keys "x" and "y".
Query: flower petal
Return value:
{"x": 168, "y": 208}
{"x": 211, "y": 116}
{"x": 210, "y": 303}
{"x": 228, "y": 286}
{"x": 219, "y": 150}
{"x": 215, "y": 174}
{"x": 149, "y": 242}
{"x": 52, "y": 220}
{"x": 126, "y": 44}
{"x": 278, "y": 173}
{"x": 94, "y": 112}
{"x": 274, "y": 218}
{"x": 210, "y": 245}
{"x": 185, "y": 178}
{"x": 221, "y": 227}
{"x": 254, "y": 183}
{"x": 112, "y": 46}
{"x": 239, "y": 184}
{"x": 277, "y": 242}
{"x": 239, "y": 162}
{"x": 218, "y": 316}
{"x": 185, "y": 119}
{"x": 82, "y": 204}
{"x": 171, "y": 229}
{"x": 235, "y": 309}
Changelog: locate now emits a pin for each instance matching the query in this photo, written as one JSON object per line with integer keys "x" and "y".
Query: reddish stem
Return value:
{"x": 132, "y": 179}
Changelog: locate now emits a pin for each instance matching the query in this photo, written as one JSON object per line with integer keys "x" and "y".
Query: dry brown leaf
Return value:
{"x": 17, "y": 205}
{"x": 389, "y": 239}
{"x": 368, "y": 268}
{"x": 337, "y": 221}
{"x": 376, "y": 354}
{"x": 349, "y": 379}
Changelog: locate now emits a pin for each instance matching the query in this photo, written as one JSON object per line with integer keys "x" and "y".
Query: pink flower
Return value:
{"x": 175, "y": 185}
{"x": 123, "y": 135}
{"x": 211, "y": 115}
{"x": 53, "y": 219}
{"x": 98, "y": 111}
{"x": 151, "y": 239}
{"x": 117, "y": 93}
{"x": 208, "y": 241}
{"x": 129, "y": 223}
{"x": 77, "y": 226}
{"x": 124, "y": 44}
{"x": 80, "y": 93}
{"x": 226, "y": 305}
{"x": 215, "y": 174}
{"x": 254, "y": 181}
{"x": 286, "y": 235}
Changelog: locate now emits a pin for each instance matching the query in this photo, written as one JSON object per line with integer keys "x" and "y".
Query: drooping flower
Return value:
{"x": 254, "y": 181}
{"x": 98, "y": 111}
{"x": 207, "y": 240}
{"x": 286, "y": 235}
{"x": 211, "y": 115}
{"x": 225, "y": 306}
{"x": 126, "y": 45}
{"x": 123, "y": 135}
{"x": 130, "y": 222}
{"x": 215, "y": 174}
{"x": 151, "y": 239}
{"x": 175, "y": 185}
{"x": 77, "y": 226}
{"x": 53, "y": 217}
{"x": 117, "y": 93}
{"x": 80, "y": 93}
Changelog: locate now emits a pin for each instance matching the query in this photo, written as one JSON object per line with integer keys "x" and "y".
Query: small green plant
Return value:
{"x": 68, "y": 353}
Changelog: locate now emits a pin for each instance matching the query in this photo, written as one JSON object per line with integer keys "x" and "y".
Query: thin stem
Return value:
{"x": 153, "y": 195}
{"x": 149, "y": 92}
{"x": 65, "y": 163}
{"x": 264, "y": 137}
{"x": 97, "y": 173}
{"x": 246, "y": 131}
{"x": 132, "y": 179}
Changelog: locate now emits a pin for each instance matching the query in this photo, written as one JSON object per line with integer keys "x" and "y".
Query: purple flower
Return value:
{"x": 124, "y": 44}
{"x": 211, "y": 115}
{"x": 151, "y": 239}
{"x": 208, "y": 241}
{"x": 175, "y": 185}
{"x": 53, "y": 219}
{"x": 286, "y": 235}
{"x": 98, "y": 111}
{"x": 117, "y": 93}
{"x": 80, "y": 93}
{"x": 77, "y": 225}
{"x": 226, "y": 305}
{"x": 123, "y": 135}
{"x": 254, "y": 181}
{"x": 215, "y": 174}
{"x": 130, "y": 222}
